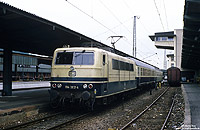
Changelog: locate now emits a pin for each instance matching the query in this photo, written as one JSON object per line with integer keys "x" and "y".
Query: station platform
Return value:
{"x": 28, "y": 98}
{"x": 192, "y": 105}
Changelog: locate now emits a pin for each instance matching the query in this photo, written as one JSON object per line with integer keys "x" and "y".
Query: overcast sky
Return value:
{"x": 100, "y": 19}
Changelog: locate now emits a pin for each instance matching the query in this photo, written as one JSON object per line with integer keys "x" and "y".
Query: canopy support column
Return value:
{"x": 7, "y": 72}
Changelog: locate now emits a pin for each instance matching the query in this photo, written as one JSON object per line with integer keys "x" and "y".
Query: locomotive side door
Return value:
{"x": 105, "y": 65}
{"x": 105, "y": 71}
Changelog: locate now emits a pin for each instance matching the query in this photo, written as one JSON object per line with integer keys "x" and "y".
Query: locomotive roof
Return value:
{"x": 78, "y": 48}
{"x": 137, "y": 61}
{"x": 88, "y": 49}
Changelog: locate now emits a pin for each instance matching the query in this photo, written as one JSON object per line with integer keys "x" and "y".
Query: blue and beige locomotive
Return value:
{"x": 87, "y": 75}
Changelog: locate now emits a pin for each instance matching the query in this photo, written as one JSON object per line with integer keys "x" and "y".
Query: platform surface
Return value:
{"x": 24, "y": 98}
{"x": 27, "y": 100}
{"x": 192, "y": 105}
{"x": 25, "y": 94}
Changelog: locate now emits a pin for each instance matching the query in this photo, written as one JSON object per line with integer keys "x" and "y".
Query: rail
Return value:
{"x": 140, "y": 114}
{"x": 32, "y": 122}
{"x": 169, "y": 113}
{"x": 70, "y": 121}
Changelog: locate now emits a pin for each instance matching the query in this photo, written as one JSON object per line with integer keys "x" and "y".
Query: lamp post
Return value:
{"x": 134, "y": 35}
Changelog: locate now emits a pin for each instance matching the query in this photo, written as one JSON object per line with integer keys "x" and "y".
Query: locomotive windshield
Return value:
{"x": 75, "y": 58}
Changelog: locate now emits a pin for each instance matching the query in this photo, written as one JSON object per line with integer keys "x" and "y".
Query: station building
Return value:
{"x": 173, "y": 40}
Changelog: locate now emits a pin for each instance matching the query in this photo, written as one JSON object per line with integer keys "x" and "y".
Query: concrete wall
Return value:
{"x": 170, "y": 62}
{"x": 164, "y": 44}
{"x": 178, "y": 46}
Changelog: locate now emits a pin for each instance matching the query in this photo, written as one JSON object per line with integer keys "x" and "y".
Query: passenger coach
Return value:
{"x": 147, "y": 74}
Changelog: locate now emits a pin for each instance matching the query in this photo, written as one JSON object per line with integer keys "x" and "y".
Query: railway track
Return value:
{"x": 26, "y": 124}
{"x": 76, "y": 118}
{"x": 58, "y": 126}
{"x": 147, "y": 109}
{"x": 49, "y": 122}
{"x": 169, "y": 113}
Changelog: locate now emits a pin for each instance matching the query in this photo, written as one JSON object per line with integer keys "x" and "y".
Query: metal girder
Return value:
{"x": 191, "y": 35}
{"x": 190, "y": 52}
{"x": 190, "y": 40}
{"x": 190, "y": 63}
{"x": 195, "y": 1}
{"x": 192, "y": 30}
{"x": 195, "y": 47}
{"x": 192, "y": 18}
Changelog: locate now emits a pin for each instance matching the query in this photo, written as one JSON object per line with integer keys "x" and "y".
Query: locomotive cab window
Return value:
{"x": 74, "y": 58}
{"x": 64, "y": 58}
{"x": 86, "y": 58}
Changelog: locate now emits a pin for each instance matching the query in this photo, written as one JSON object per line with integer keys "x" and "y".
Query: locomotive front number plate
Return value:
{"x": 72, "y": 87}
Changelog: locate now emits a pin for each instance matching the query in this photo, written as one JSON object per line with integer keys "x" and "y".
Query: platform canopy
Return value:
{"x": 26, "y": 32}
{"x": 191, "y": 35}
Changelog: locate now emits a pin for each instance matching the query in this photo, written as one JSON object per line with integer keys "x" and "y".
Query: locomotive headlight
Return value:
{"x": 90, "y": 86}
{"x": 84, "y": 86}
{"x": 59, "y": 85}
{"x": 53, "y": 85}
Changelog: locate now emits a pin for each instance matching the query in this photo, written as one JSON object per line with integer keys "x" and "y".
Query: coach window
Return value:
{"x": 104, "y": 59}
{"x": 122, "y": 65}
{"x": 127, "y": 66}
{"x": 115, "y": 64}
{"x": 131, "y": 67}
{"x": 170, "y": 39}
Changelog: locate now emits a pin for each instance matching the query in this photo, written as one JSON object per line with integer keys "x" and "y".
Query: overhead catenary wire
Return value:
{"x": 103, "y": 25}
{"x": 115, "y": 16}
{"x": 159, "y": 15}
{"x": 165, "y": 14}
{"x": 113, "y": 27}
{"x": 94, "y": 19}
{"x": 91, "y": 17}
{"x": 128, "y": 7}
{"x": 147, "y": 31}
{"x": 131, "y": 11}
{"x": 139, "y": 51}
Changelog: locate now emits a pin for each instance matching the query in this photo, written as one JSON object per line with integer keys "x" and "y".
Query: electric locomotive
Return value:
{"x": 88, "y": 75}
{"x": 83, "y": 75}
